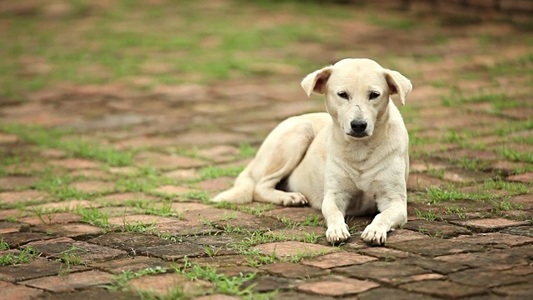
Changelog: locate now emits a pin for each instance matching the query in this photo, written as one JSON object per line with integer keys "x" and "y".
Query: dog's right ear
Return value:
{"x": 316, "y": 81}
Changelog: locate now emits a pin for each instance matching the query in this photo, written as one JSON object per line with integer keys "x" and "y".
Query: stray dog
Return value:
{"x": 352, "y": 160}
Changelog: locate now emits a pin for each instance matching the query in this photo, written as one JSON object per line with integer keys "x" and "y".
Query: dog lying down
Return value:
{"x": 351, "y": 161}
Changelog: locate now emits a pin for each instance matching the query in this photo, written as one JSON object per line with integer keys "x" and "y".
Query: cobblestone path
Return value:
{"x": 104, "y": 188}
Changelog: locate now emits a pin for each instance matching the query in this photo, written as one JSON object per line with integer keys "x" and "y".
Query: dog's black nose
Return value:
{"x": 358, "y": 126}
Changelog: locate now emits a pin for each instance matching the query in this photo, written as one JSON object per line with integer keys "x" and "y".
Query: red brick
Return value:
{"x": 339, "y": 287}
{"x": 13, "y": 291}
{"x": 173, "y": 190}
{"x": 16, "y": 182}
{"x": 285, "y": 249}
{"x": 167, "y": 162}
{"x": 490, "y": 224}
{"x": 446, "y": 289}
{"x": 339, "y": 259}
{"x": 162, "y": 285}
{"x": 292, "y": 270}
{"x": 75, "y": 163}
{"x": 22, "y": 197}
{"x": 490, "y": 239}
{"x": 71, "y": 281}
{"x": 8, "y": 138}
{"x": 526, "y": 177}
{"x": 51, "y": 218}
{"x": 93, "y": 186}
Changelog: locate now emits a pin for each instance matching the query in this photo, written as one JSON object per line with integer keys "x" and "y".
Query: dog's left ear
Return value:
{"x": 398, "y": 84}
{"x": 316, "y": 81}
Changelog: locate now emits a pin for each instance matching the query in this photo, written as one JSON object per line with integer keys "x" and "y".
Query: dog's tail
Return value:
{"x": 242, "y": 192}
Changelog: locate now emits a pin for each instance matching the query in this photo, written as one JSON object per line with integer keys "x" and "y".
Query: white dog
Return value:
{"x": 352, "y": 160}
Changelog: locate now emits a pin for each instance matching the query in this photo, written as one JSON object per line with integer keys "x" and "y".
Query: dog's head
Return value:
{"x": 357, "y": 93}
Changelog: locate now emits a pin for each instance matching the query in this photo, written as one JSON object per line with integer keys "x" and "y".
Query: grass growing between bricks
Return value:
{"x": 16, "y": 257}
{"x": 54, "y": 139}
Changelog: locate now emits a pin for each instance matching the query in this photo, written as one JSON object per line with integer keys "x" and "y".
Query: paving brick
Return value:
{"x": 338, "y": 259}
{"x": 8, "y": 138}
{"x": 123, "y": 170}
{"x": 182, "y": 174}
{"x": 499, "y": 259}
{"x": 381, "y": 270}
{"x": 300, "y": 295}
{"x": 93, "y": 186}
{"x": 485, "y": 278}
{"x": 22, "y": 197}
{"x": 435, "y": 265}
{"x": 435, "y": 247}
{"x": 18, "y": 292}
{"x": 51, "y": 218}
{"x": 446, "y": 289}
{"x": 163, "y": 285}
{"x": 70, "y": 282}
{"x": 486, "y": 225}
{"x": 93, "y": 293}
{"x": 385, "y": 253}
{"x": 128, "y": 241}
{"x": 38, "y": 267}
{"x": 9, "y": 227}
{"x": 9, "y": 214}
{"x": 87, "y": 252}
{"x": 120, "y": 198}
{"x": 133, "y": 264}
{"x": 439, "y": 229}
{"x": 19, "y": 238}
{"x": 526, "y": 177}
{"x": 173, "y": 190}
{"x": 292, "y": 270}
{"x": 298, "y": 233}
{"x": 167, "y": 162}
{"x": 221, "y": 153}
{"x": 338, "y": 287}
{"x": 400, "y": 235}
{"x": 64, "y": 205}
{"x": 216, "y": 185}
{"x": 70, "y": 230}
{"x": 16, "y": 182}
{"x": 412, "y": 278}
{"x": 390, "y": 293}
{"x": 519, "y": 230}
{"x": 285, "y": 249}
{"x": 524, "y": 201}
{"x": 515, "y": 291}
{"x": 91, "y": 174}
{"x": 140, "y": 219}
{"x": 496, "y": 239}
{"x": 218, "y": 297}
{"x": 75, "y": 163}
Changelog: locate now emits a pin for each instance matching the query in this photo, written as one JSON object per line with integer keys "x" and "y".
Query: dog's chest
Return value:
{"x": 361, "y": 203}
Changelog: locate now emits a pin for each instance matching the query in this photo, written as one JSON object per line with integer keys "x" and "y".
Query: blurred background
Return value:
{"x": 224, "y": 71}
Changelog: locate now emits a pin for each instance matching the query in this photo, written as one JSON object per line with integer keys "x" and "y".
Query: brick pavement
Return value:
{"x": 126, "y": 214}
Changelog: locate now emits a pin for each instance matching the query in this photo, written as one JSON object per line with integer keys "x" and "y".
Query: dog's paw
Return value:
{"x": 337, "y": 233}
{"x": 294, "y": 199}
{"x": 375, "y": 235}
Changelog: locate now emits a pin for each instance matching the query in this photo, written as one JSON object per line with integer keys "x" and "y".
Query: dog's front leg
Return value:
{"x": 333, "y": 210}
{"x": 393, "y": 214}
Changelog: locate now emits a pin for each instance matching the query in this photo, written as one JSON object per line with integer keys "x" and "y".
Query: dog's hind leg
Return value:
{"x": 242, "y": 191}
{"x": 279, "y": 155}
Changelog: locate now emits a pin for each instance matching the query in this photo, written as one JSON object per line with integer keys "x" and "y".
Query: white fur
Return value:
{"x": 321, "y": 160}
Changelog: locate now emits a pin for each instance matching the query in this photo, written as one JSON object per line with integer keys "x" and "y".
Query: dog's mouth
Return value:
{"x": 358, "y": 135}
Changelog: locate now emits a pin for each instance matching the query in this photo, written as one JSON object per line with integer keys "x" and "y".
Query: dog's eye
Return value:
{"x": 343, "y": 95}
{"x": 373, "y": 95}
